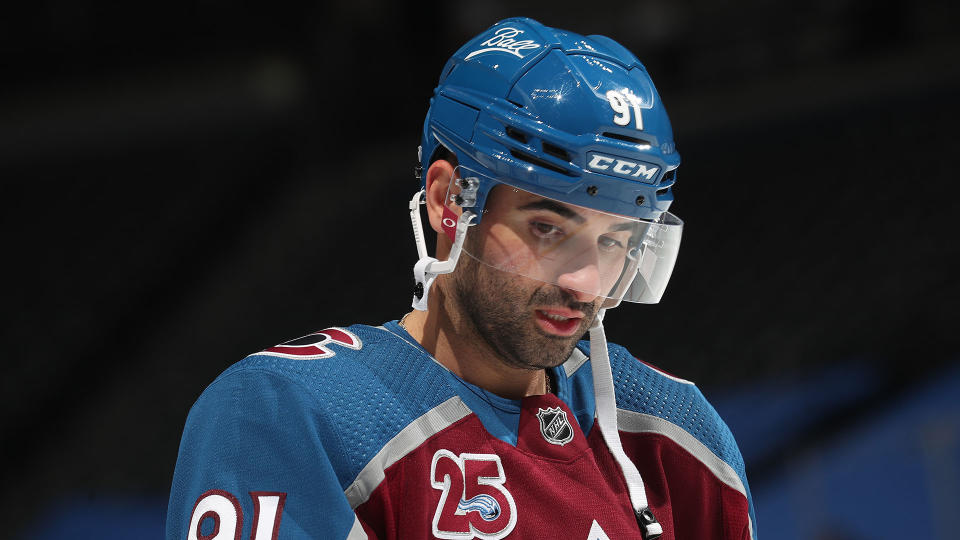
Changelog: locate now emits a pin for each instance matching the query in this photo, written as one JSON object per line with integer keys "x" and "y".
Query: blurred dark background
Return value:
{"x": 184, "y": 184}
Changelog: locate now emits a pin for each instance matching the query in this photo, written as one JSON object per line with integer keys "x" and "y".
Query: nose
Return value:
{"x": 583, "y": 283}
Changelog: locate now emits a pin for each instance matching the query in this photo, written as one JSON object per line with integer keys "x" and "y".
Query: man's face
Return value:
{"x": 536, "y": 274}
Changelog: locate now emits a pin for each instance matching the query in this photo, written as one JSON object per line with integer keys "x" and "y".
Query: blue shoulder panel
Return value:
{"x": 643, "y": 389}
{"x": 365, "y": 395}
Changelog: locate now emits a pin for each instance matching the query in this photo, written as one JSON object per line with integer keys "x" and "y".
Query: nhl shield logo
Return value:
{"x": 554, "y": 426}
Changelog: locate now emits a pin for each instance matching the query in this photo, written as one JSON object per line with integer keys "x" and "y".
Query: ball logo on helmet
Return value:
{"x": 503, "y": 41}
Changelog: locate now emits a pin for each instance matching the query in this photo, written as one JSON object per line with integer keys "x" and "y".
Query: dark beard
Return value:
{"x": 494, "y": 303}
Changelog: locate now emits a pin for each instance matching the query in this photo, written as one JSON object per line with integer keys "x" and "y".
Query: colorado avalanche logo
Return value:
{"x": 474, "y": 500}
{"x": 554, "y": 426}
{"x": 314, "y": 346}
{"x": 485, "y": 505}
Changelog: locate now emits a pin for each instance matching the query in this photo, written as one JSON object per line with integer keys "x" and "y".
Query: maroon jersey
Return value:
{"x": 370, "y": 437}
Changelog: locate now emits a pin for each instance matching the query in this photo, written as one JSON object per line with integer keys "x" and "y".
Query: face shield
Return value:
{"x": 586, "y": 251}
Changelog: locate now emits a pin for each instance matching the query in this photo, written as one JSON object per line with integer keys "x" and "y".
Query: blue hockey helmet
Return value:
{"x": 554, "y": 113}
{"x": 568, "y": 118}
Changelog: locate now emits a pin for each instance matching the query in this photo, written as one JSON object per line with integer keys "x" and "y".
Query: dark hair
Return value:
{"x": 444, "y": 153}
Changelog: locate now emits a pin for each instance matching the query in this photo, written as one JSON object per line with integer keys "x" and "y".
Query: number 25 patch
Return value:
{"x": 474, "y": 502}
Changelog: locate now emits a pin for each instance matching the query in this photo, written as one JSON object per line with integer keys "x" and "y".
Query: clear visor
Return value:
{"x": 589, "y": 252}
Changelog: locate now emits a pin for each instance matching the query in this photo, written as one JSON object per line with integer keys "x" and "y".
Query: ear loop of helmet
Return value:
{"x": 428, "y": 268}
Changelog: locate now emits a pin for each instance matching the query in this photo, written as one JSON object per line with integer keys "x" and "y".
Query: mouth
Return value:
{"x": 559, "y": 322}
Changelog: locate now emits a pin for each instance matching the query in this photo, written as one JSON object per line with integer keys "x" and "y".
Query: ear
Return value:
{"x": 438, "y": 183}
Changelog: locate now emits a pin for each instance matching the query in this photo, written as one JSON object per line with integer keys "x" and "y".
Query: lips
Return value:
{"x": 558, "y": 322}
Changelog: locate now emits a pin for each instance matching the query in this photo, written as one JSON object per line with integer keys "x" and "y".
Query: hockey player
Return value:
{"x": 547, "y": 162}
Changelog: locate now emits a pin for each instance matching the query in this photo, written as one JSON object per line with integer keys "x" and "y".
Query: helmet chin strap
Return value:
{"x": 428, "y": 268}
{"x": 604, "y": 394}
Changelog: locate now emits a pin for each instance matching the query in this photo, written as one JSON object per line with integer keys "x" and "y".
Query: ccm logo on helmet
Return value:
{"x": 634, "y": 170}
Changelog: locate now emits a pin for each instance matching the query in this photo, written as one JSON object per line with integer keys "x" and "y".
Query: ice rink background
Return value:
{"x": 186, "y": 184}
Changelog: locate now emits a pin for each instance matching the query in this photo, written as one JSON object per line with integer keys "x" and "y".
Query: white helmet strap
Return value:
{"x": 606, "y": 400}
{"x": 428, "y": 268}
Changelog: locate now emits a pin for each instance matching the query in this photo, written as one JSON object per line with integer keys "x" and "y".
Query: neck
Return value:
{"x": 453, "y": 340}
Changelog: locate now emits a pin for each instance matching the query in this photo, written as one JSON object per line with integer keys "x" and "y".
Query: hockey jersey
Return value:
{"x": 358, "y": 433}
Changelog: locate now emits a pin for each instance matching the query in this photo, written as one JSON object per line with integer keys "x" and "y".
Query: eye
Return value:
{"x": 608, "y": 243}
{"x": 545, "y": 230}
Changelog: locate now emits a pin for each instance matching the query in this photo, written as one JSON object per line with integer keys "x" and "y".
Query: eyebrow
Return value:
{"x": 565, "y": 212}
{"x": 555, "y": 207}
{"x": 625, "y": 226}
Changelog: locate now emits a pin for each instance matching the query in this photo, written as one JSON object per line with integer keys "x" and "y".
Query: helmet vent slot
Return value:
{"x": 661, "y": 191}
{"x": 516, "y": 135}
{"x": 538, "y": 162}
{"x": 627, "y": 138}
{"x": 556, "y": 151}
{"x": 669, "y": 176}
